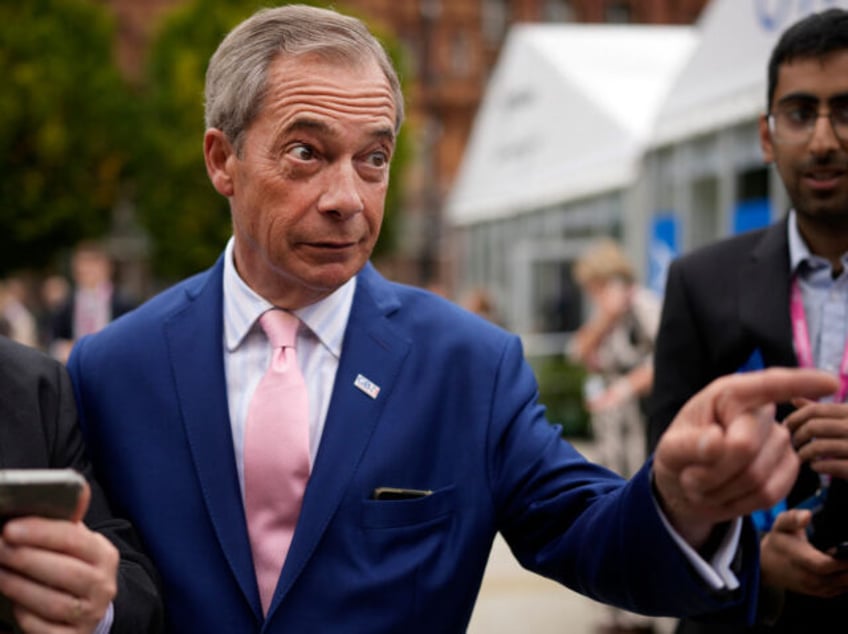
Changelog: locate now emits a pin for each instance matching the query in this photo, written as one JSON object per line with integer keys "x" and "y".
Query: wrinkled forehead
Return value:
{"x": 335, "y": 87}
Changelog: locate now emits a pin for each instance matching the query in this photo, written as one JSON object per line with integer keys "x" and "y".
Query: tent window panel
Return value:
{"x": 752, "y": 184}
{"x": 704, "y": 225}
{"x": 556, "y": 298}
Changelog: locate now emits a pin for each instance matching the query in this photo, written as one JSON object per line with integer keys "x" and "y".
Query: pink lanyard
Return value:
{"x": 801, "y": 338}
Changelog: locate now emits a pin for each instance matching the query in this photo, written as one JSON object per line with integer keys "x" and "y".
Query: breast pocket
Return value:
{"x": 436, "y": 507}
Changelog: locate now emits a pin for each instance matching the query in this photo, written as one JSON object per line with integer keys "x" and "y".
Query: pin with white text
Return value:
{"x": 367, "y": 386}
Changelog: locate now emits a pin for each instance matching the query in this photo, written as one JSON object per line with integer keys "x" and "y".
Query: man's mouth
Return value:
{"x": 820, "y": 179}
{"x": 335, "y": 246}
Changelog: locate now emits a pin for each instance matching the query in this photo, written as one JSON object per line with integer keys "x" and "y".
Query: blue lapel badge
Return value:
{"x": 367, "y": 386}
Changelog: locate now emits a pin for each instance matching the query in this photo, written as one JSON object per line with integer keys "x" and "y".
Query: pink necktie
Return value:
{"x": 276, "y": 454}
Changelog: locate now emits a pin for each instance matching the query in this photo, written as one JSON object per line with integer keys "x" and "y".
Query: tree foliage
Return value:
{"x": 188, "y": 220}
{"x": 64, "y": 117}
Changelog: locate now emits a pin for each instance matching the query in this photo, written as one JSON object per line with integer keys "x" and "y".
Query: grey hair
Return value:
{"x": 236, "y": 79}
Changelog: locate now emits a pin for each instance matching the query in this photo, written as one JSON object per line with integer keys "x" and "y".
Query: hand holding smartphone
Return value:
{"x": 51, "y": 493}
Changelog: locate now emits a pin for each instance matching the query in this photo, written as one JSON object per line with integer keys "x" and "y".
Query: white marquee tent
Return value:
{"x": 724, "y": 81}
{"x": 566, "y": 114}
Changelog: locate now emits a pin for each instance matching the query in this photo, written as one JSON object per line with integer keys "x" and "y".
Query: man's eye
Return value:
{"x": 839, "y": 112}
{"x": 800, "y": 115}
{"x": 302, "y": 152}
{"x": 378, "y": 159}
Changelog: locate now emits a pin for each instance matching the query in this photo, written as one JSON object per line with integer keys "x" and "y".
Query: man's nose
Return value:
{"x": 342, "y": 192}
{"x": 823, "y": 139}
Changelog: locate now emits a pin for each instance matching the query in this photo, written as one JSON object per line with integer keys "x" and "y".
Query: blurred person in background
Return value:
{"x": 616, "y": 346}
{"x": 480, "y": 302}
{"x": 54, "y": 292}
{"x": 19, "y": 320}
{"x": 93, "y": 302}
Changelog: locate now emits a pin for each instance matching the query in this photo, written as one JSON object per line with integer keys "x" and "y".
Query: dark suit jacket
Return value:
{"x": 456, "y": 413}
{"x": 38, "y": 429}
{"x": 722, "y": 303}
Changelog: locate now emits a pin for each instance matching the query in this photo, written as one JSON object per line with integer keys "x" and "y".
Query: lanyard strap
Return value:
{"x": 801, "y": 339}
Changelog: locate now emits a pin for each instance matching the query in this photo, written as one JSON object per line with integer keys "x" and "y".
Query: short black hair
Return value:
{"x": 814, "y": 36}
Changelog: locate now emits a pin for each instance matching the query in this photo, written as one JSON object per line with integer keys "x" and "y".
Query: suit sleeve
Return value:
{"x": 584, "y": 526}
{"x": 138, "y": 607}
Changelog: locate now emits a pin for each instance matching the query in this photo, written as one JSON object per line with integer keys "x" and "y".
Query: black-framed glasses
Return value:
{"x": 792, "y": 122}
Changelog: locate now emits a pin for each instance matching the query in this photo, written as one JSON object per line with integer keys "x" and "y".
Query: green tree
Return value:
{"x": 188, "y": 220}
{"x": 64, "y": 118}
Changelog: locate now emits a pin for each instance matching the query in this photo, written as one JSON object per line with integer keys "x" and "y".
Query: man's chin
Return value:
{"x": 831, "y": 214}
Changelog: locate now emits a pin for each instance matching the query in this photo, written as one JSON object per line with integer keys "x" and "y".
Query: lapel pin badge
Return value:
{"x": 367, "y": 385}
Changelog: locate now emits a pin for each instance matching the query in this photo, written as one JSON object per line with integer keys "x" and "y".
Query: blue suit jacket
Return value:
{"x": 456, "y": 414}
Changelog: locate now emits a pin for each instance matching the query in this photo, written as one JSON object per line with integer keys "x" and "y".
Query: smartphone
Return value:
{"x": 828, "y": 530}
{"x": 52, "y": 493}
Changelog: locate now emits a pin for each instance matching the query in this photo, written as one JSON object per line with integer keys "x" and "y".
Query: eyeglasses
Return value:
{"x": 792, "y": 122}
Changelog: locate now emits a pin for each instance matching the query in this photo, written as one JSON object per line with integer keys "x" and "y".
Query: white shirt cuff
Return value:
{"x": 716, "y": 573}
{"x": 105, "y": 625}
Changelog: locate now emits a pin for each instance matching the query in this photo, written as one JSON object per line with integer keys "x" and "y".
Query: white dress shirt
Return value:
{"x": 247, "y": 353}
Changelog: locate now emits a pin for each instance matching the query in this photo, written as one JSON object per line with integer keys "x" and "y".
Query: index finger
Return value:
{"x": 58, "y": 536}
{"x": 744, "y": 392}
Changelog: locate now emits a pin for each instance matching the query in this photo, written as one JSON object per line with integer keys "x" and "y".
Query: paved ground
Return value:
{"x": 515, "y": 601}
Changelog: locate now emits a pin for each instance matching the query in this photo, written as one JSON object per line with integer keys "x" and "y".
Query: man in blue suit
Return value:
{"x": 425, "y": 435}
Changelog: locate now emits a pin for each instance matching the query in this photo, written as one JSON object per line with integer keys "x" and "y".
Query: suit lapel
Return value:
{"x": 195, "y": 343}
{"x": 764, "y": 306}
{"x": 374, "y": 350}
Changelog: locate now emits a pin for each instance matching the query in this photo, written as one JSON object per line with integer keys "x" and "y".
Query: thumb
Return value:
{"x": 82, "y": 503}
{"x": 799, "y": 401}
{"x": 792, "y": 521}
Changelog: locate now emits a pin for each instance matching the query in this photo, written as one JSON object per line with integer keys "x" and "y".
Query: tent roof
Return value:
{"x": 566, "y": 114}
{"x": 724, "y": 81}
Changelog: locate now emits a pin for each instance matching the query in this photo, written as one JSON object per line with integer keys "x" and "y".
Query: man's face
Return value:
{"x": 814, "y": 172}
{"x": 308, "y": 187}
{"x": 91, "y": 269}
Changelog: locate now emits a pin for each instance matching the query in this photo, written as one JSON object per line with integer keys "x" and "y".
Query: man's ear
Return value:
{"x": 219, "y": 155}
{"x": 766, "y": 144}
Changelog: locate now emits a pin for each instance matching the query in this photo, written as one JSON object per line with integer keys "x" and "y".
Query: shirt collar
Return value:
{"x": 327, "y": 318}
{"x": 801, "y": 259}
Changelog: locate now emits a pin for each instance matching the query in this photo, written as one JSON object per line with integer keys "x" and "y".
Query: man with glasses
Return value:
{"x": 779, "y": 297}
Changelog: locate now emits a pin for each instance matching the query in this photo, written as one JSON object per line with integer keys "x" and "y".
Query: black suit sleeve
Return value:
{"x": 39, "y": 406}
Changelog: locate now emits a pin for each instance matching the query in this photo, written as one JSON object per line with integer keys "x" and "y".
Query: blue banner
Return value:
{"x": 662, "y": 249}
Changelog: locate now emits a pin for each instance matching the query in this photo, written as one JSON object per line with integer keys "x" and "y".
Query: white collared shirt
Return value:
{"x": 825, "y": 299}
{"x": 247, "y": 354}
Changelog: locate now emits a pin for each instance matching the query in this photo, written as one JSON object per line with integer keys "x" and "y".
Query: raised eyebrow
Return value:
{"x": 386, "y": 134}
{"x": 312, "y": 125}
